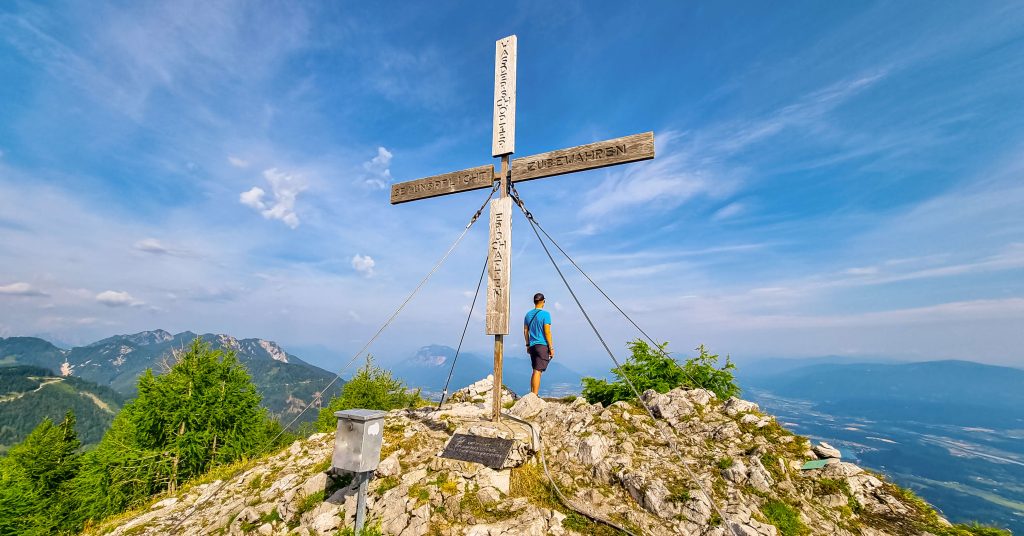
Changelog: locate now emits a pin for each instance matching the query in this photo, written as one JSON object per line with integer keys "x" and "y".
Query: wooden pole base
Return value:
{"x": 499, "y": 350}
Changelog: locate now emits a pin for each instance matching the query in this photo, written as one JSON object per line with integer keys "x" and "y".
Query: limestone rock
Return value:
{"x": 735, "y": 406}
{"x": 611, "y": 462}
{"x": 737, "y": 473}
{"x": 389, "y": 466}
{"x": 824, "y": 450}
{"x": 593, "y": 449}
{"x": 480, "y": 393}
{"x": 528, "y": 406}
{"x": 700, "y": 397}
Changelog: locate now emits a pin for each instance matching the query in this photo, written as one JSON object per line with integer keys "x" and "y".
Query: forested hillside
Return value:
{"x": 29, "y": 394}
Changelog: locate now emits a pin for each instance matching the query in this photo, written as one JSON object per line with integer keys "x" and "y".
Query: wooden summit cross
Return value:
{"x": 499, "y": 262}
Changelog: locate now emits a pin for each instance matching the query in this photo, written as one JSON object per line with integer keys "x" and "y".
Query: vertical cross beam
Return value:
{"x": 499, "y": 261}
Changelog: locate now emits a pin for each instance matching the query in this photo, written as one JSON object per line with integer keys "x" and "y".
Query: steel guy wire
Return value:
{"x": 632, "y": 387}
{"x": 469, "y": 317}
{"x": 476, "y": 216}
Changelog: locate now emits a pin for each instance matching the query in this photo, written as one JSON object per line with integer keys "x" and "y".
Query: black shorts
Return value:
{"x": 539, "y": 356}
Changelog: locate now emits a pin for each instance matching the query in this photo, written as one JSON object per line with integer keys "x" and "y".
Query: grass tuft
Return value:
{"x": 785, "y": 518}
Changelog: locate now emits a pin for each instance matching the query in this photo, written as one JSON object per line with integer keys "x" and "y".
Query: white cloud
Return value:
{"x": 253, "y": 198}
{"x": 363, "y": 264}
{"x": 378, "y": 169}
{"x": 728, "y": 211}
{"x": 238, "y": 162}
{"x": 20, "y": 289}
{"x": 665, "y": 183}
{"x": 152, "y": 245}
{"x": 156, "y": 247}
{"x": 285, "y": 187}
{"x": 114, "y": 298}
{"x": 865, "y": 270}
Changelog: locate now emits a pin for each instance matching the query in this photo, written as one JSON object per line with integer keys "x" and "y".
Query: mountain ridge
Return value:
{"x": 286, "y": 382}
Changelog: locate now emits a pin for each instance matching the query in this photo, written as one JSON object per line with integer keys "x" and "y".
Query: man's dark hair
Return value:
{"x": 537, "y": 298}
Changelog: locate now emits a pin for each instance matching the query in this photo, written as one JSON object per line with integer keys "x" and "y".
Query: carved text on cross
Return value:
{"x": 581, "y": 158}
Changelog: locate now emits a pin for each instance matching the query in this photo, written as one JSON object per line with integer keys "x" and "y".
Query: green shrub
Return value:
{"x": 972, "y": 529}
{"x": 652, "y": 368}
{"x": 371, "y": 388}
{"x": 785, "y": 518}
{"x": 204, "y": 413}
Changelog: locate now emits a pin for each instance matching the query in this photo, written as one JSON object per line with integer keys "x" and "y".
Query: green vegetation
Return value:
{"x": 369, "y": 530}
{"x": 371, "y": 388}
{"x": 724, "y": 463}
{"x": 971, "y": 529}
{"x": 34, "y": 474}
{"x": 652, "y": 368}
{"x": 31, "y": 394}
{"x": 202, "y": 415}
{"x": 784, "y": 517}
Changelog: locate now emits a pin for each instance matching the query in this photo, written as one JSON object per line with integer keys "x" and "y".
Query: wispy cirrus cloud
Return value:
{"x": 698, "y": 164}
{"x": 155, "y": 246}
{"x": 662, "y": 184}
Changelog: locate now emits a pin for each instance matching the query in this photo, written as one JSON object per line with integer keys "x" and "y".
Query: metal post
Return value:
{"x": 363, "y": 477}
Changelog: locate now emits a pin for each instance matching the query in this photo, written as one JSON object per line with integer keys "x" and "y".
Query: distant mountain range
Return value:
{"x": 286, "y": 382}
{"x": 428, "y": 370}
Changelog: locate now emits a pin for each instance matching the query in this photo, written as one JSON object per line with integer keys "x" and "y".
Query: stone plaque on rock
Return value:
{"x": 488, "y": 451}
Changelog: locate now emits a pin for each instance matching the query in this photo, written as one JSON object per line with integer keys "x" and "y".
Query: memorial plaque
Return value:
{"x": 591, "y": 156}
{"x": 444, "y": 184}
{"x": 489, "y": 451}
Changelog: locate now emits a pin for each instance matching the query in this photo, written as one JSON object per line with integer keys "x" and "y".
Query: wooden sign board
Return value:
{"x": 499, "y": 266}
{"x": 504, "y": 139}
{"x": 591, "y": 156}
{"x": 447, "y": 183}
{"x": 489, "y": 451}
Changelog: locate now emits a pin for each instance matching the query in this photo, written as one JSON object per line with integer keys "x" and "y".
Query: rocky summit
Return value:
{"x": 741, "y": 473}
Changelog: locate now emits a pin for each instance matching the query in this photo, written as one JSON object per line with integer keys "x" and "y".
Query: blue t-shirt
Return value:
{"x": 535, "y": 320}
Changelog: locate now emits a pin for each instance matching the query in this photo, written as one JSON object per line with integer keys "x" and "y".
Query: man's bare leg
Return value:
{"x": 535, "y": 382}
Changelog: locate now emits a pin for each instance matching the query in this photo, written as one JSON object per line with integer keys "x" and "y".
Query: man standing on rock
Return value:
{"x": 537, "y": 332}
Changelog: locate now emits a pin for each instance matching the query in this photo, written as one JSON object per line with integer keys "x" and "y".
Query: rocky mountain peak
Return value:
{"x": 433, "y": 355}
{"x": 142, "y": 338}
{"x": 275, "y": 351}
{"x": 743, "y": 474}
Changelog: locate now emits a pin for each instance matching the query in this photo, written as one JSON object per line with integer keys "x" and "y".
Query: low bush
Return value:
{"x": 653, "y": 368}
{"x": 371, "y": 388}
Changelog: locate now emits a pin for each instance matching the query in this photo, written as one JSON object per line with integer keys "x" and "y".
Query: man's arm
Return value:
{"x": 526, "y": 335}
{"x": 551, "y": 343}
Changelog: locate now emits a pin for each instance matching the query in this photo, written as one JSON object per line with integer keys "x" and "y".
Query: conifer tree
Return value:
{"x": 33, "y": 474}
{"x": 203, "y": 412}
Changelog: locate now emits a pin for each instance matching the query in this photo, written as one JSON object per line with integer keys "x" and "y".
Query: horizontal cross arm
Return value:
{"x": 444, "y": 184}
{"x": 590, "y": 156}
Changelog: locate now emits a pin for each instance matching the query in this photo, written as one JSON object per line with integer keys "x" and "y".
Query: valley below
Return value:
{"x": 969, "y": 473}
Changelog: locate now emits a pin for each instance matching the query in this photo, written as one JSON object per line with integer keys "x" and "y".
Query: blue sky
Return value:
{"x": 831, "y": 178}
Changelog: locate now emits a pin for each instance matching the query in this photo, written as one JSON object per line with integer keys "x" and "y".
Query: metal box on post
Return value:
{"x": 358, "y": 441}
